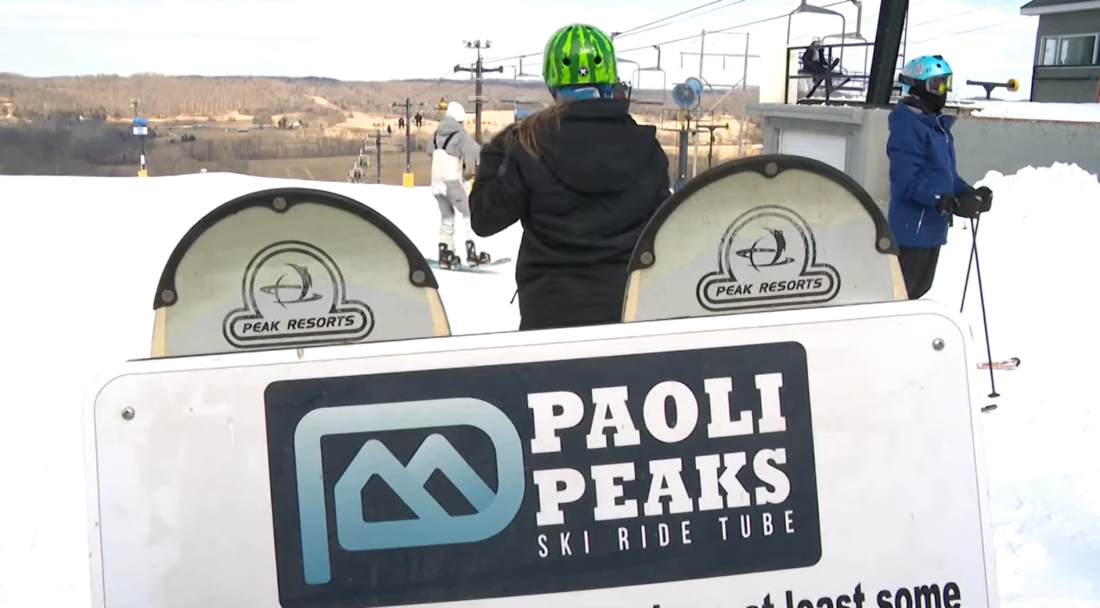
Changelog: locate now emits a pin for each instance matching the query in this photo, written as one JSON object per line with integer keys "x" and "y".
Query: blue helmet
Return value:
{"x": 930, "y": 73}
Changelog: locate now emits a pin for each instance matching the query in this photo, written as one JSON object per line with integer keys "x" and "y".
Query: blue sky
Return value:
{"x": 368, "y": 39}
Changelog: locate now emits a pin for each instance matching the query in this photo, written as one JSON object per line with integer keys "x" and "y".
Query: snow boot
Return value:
{"x": 473, "y": 258}
{"x": 447, "y": 257}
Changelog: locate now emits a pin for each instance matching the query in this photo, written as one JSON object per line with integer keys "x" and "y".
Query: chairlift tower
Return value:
{"x": 478, "y": 70}
{"x": 140, "y": 129}
{"x": 743, "y": 83}
{"x": 407, "y": 179}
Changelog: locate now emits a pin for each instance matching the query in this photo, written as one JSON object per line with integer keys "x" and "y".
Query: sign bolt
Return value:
{"x": 938, "y": 344}
{"x": 127, "y": 413}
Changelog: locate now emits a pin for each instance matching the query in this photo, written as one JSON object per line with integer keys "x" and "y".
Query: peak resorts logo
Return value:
{"x": 294, "y": 294}
{"x": 482, "y": 482}
{"x": 768, "y": 257}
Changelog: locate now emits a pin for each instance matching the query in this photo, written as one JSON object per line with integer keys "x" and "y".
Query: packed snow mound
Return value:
{"x": 1068, "y": 180}
{"x": 1035, "y": 249}
{"x": 1028, "y": 110}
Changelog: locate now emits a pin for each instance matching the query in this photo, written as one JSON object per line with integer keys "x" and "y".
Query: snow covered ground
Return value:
{"x": 83, "y": 256}
{"x": 1035, "y": 250}
{"x": 1026, "y": 110}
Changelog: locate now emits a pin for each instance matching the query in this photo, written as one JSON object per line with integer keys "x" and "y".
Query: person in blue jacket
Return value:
{"x": 925, "y": 187}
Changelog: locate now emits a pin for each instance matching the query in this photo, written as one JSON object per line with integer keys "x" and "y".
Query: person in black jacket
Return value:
{"x": 583, "y": 179}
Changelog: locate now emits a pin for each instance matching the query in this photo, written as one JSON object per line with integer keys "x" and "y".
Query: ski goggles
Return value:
{"x": 938, "y": 85}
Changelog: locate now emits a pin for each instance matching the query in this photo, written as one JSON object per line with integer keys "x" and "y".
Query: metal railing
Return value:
{"x": 828, "y": 78}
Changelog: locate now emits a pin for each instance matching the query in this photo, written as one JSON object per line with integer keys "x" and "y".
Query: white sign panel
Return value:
{"x": 785, "y": 460}
{"x": 828, "y": 148}
{"x": 293, "y": 267}
{"x": 763, "y": 233}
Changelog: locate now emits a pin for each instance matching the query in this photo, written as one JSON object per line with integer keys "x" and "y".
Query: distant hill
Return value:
{"x": 161, "y": 96}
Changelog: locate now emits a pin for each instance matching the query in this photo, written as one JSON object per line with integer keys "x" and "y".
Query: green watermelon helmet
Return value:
{"x": 580, "y": 56}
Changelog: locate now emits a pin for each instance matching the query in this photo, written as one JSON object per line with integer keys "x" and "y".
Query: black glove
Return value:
{"x": 946, "y": 203}
{"x": 970, "y": 205}
{"x": 986, "y": 197}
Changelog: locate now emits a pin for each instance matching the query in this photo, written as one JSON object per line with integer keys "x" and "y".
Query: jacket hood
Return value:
{"x": 599, "y": 149}
{"x": 448, "y": 125}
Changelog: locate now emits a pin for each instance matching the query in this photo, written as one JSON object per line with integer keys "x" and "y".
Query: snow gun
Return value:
{"x": 771, "y": 423}
{"x": 1011, "y": 84}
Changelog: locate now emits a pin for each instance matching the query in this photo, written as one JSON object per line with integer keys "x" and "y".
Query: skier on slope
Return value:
{"x": 582, "y": 178}
{"x": 925, "y": 186}
{"x": 454, "y": 155}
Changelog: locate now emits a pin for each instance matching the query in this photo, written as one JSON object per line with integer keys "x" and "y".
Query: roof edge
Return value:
{"x": 1062, "y": 7}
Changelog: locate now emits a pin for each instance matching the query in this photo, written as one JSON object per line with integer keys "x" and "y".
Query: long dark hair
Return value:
{"x": 538, "y": 131}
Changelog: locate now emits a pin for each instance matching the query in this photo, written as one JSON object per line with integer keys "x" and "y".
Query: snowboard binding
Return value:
{"x": 447, "y": 257}
{"x": 473, "y": 258}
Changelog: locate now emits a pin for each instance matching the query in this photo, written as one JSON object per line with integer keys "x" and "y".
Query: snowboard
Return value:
{"x": 483, "y": 268}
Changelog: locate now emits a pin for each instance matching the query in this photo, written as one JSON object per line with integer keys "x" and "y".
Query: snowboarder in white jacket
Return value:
{"x": 454, "y": 156}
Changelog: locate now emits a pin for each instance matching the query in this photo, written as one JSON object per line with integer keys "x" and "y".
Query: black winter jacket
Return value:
{"x": 582, "y": 205}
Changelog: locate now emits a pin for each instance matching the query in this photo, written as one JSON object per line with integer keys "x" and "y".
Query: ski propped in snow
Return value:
{"x": 1007, "y": 364}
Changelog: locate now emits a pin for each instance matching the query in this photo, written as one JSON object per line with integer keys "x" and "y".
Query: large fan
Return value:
{"x": 689, "y": 94}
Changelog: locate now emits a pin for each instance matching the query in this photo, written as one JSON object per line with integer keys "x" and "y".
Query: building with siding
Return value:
{"x": 1066, "y": 68}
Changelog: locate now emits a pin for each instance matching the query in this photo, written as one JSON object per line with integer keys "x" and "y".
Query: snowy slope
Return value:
{"x": 83, "y": 256}
{"x": 82, "y": 259}
{"x": 1035, "y": 250}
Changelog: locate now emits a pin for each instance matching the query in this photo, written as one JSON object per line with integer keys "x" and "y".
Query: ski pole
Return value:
{"x": 970, "y": 264}
{"x": 985, "y": 324}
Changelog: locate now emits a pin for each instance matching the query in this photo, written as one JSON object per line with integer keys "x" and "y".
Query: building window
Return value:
{"x": 1074, "y": 50}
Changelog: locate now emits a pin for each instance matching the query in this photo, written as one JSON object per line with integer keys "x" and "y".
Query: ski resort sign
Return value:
{"x": 283, "y": 304}
{"x": 694, "y": 463}
{"x": 292, "y": 268}
{"x": 765, "y": 233}
{"x": 599, "y": 466}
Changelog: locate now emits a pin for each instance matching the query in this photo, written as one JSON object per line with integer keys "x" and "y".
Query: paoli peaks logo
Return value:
{"x": 768, "y": 258}
{"x": 294, "y": 293}
{"x": 433, "y": 525}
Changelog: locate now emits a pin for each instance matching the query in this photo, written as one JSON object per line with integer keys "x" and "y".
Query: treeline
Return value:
{"x": 258, "y": 148}
{"x": 97, "y": 148}
{"x": 110, "y": 96}
{"x": 64, "y": 148}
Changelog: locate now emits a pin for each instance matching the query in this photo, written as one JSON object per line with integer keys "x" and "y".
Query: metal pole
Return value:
{"x": 478, "y": 70}
{"x": 378, "y": 154}
{"x": 905, "y": 40}
{"x": 702, "y": 55}
{"x": 477, "y": 98}
{"x": 681, "y": 160}
{"x": 408, "y": 137}
{"x": 744, "y": 94}
{"x": 891, "y": 25}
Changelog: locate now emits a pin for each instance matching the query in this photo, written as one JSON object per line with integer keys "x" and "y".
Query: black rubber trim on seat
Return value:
{"x": 292, "y": 196}
{"x": 759, "y": 164}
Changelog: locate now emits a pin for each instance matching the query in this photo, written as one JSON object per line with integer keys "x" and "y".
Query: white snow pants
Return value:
{"x": 452, "y": 197}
